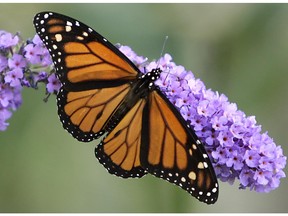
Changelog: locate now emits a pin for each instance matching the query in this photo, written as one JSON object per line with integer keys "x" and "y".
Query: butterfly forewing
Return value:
{"x": 170, "y": 150}
{"x": 82, "y": 56}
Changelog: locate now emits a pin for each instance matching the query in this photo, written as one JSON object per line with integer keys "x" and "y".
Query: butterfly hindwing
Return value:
{"x": 172, "y": 152}
{"x": 119, "y": 152}
{"x": 86, "y": 114}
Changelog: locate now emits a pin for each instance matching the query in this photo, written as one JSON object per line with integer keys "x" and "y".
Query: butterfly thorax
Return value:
{"x": 146, "y": 81}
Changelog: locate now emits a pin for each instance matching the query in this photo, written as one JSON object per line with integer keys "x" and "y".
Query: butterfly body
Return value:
{"x": 104, "y": 93}
{"x": 140, "y": 89}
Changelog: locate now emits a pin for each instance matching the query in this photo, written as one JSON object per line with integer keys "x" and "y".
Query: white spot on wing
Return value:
{"x": 200, "y": 165}
{"x": 68, "y": 28}
{"x": 58, "y": 37}
{"x": 183, "y": 179}
{"x": 192, "y": 175}
{"x": 80, "y": 38}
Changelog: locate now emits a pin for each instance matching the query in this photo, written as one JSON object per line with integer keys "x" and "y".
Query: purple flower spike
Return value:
{"x": 234, "y": 142}
{"x": 17, "y": 63}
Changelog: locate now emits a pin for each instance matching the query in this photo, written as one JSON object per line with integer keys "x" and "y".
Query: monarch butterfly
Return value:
{"x": 104, "y": 93}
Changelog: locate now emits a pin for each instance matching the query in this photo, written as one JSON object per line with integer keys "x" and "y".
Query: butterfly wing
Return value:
{"x": 94, "y": 74}
{"x": 153, "y": 137}
{"x": 170, "y": 150}
{"x": 86, "y": 114}
{"x": 119, "y": 152}
{"x": 82, "y": 56}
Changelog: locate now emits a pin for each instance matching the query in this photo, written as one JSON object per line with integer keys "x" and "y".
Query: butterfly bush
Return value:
{"x": 22, "y": 64}
{"x": 234, "y": 142}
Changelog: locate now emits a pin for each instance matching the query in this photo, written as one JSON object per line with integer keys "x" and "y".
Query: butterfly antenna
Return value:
{"x": 161, "y": 54}
{"x": 162, "y": 50}
{"x": 164, "y": 44}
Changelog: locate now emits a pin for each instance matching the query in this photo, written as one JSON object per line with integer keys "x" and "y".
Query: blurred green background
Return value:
{"x": 240, "y": 50}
